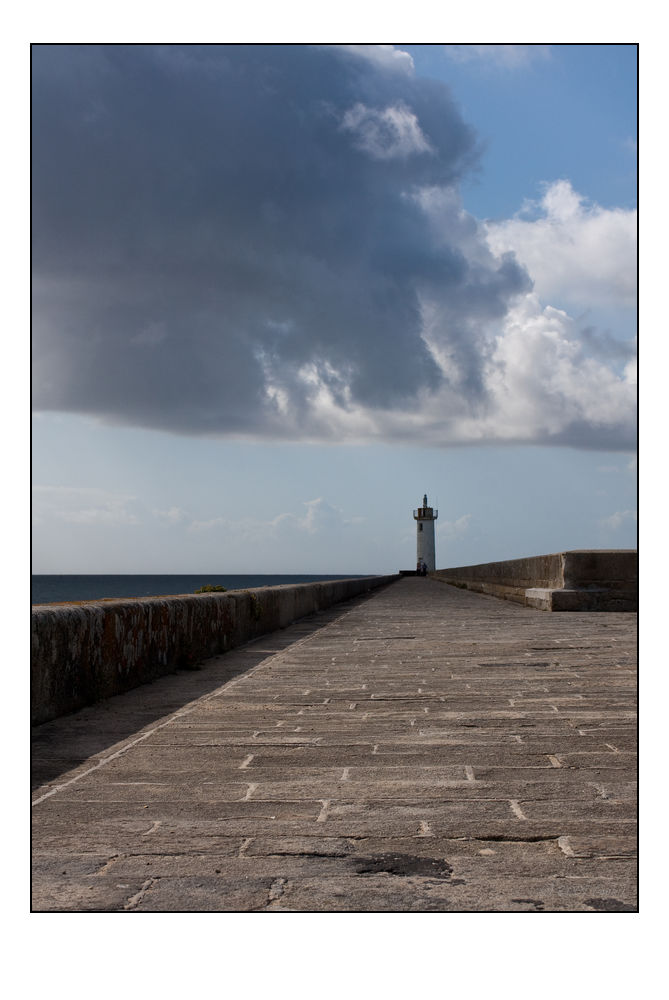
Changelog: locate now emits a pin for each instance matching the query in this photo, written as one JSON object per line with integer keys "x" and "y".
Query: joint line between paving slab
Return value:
{"x": 139, "y": 896}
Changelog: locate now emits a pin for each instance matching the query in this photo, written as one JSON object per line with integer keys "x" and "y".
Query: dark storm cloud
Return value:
{"x": 211, "y": 223}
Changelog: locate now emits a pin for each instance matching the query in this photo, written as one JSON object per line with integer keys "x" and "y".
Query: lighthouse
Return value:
{"x": 425, "y": 517}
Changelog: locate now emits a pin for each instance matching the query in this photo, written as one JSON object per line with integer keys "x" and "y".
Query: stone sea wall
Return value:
{"x": 84, "y": 652}
{"x": 577, "y": 580}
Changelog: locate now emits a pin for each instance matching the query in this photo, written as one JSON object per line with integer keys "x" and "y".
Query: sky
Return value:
{"x": 280, "y": 292}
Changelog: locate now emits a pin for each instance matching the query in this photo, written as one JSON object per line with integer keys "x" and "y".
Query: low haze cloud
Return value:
{"x": 268, "y": 241}
{"x": 83, "y": 506}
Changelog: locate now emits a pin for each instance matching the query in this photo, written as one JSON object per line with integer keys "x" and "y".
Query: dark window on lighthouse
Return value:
{"x": 420, "y": 527}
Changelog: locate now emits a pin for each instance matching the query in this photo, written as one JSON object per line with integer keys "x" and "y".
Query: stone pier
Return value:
{"x": 420, "y": 748}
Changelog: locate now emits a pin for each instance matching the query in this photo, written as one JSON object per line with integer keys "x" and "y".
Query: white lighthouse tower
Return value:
{"x": 425, "y": 517}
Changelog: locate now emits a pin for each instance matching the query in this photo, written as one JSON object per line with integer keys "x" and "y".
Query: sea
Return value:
{"x": 54, "y": 588}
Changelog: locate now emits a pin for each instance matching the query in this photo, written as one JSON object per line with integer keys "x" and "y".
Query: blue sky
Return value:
{"x": 279, "y": 295}
{"x": 545, "y": 112}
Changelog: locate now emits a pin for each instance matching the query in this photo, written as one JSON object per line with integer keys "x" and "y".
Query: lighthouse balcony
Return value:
{"x": 426, "y": 514}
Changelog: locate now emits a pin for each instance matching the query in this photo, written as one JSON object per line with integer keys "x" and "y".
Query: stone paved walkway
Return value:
{"x": 424, "y": 748}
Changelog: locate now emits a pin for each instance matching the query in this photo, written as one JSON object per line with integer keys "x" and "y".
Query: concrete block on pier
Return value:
{"x": 578, "y": 580}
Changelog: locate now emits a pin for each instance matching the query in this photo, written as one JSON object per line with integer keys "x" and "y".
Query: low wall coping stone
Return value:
{"x": 574, "y": 580}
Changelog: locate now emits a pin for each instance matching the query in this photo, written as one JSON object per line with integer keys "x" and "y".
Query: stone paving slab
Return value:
{"x": 421, "y": 749}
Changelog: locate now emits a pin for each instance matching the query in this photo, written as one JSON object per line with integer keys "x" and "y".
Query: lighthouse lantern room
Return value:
{"x": 425, "y": 517}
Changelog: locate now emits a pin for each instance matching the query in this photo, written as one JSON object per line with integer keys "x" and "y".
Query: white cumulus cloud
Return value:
{"x": 387, "y": 57}
{"x": 174, "y": 515}
{"x": 615, "y": 521}
{"x": 577, "y": 252}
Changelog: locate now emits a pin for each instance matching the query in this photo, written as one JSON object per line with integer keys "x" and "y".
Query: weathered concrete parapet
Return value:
{"x": 579, "y": 580}
{"x": 84, "y": 652}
